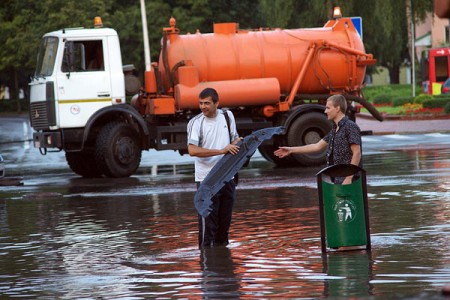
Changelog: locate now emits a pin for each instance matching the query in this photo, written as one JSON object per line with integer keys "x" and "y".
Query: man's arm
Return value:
{"x": 203, "y": 152}
{"x": 356, "y": 158}
{"x": 237, "y": 140}
{"x": 310, "y": 148}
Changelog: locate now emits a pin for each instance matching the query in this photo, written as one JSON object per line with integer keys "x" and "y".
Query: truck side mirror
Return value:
{"x": 69, "y": 52}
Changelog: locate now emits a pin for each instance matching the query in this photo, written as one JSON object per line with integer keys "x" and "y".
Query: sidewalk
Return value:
{"x": 396, "y": 125}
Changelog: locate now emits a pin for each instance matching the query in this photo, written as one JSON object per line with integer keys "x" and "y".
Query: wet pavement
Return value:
{"x": 65, "y": 237}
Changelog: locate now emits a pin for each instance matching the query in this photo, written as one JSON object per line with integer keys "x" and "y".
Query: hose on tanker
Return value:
{"x": 372, "y": 110}
{"x": 181, "y": 63}
{"x": 165, "y": 61}
{"x": 317, "y": 58}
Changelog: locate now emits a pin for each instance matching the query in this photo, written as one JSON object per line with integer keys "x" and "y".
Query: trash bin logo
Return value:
{"x": 345, "y": 210}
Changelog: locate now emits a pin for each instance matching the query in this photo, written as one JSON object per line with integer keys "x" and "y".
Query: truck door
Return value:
{"x": 83, "y": 81}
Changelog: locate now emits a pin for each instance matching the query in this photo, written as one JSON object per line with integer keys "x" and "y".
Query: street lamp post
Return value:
{"x": 148, "y": 65}
{"x": 413, "y": 58}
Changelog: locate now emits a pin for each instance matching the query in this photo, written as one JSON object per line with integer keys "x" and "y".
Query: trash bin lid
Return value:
{"x": 341, "y": 170}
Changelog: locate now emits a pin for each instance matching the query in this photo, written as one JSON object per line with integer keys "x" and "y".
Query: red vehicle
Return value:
{"x": 435, "y": 69}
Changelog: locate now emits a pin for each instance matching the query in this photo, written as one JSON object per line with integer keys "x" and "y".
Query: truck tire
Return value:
{"x": 83, "y": 164}
{"x": 117, "y": 150}
{"x": 308, "y": 129}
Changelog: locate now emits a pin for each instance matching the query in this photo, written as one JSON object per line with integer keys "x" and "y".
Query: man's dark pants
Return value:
{"x": 213, "y": 230}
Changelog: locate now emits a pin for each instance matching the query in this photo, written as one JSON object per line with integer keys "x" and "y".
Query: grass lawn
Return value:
{"x": 399, "y": 110}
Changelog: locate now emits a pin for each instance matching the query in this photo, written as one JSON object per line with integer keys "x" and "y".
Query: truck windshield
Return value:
{"x": 46, "y": 57}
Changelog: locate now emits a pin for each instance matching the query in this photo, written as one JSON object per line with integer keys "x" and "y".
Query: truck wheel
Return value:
{"x": 309, "y": 129}
{"x": 83, "y": 164}
{"x": 117, "y": 150}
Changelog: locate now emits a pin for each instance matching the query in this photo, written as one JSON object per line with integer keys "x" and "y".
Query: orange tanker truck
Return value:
{"x": 266, "y": 77}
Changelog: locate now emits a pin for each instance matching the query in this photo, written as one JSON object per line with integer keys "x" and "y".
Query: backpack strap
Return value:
{"x": 200, "y": 138}
{"x": 227, "y": 118}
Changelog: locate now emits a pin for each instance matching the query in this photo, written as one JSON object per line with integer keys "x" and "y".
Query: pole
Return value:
{"x": 413, "y": 50}
{"x": 413, "y": 58}
{"x": 148, "y": 66}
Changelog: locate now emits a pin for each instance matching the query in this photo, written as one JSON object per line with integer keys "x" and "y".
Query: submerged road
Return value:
{"x": 66, "y": 237}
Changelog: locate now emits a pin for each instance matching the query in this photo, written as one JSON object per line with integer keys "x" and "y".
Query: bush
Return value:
{"x": 400, "y": 101}
{"x": 435, "y": 103}
{"x": 382, "y": 99}
{"x": 371, "y": 92}
{"x": 442, "y": 96}
{"x": 447, "y": 108}
{"x": 421, "y": 98}
{"x": 391, "y": 90}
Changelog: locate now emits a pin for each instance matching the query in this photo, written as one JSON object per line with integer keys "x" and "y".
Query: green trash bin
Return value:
{"x": 344, "y": 218}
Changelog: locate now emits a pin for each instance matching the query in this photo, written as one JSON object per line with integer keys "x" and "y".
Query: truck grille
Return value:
{"x": 41, "y": 115}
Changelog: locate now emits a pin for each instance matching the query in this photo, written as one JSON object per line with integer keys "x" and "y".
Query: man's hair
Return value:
{"x": 339, "y": 100}
{"x": 209, "y": 92}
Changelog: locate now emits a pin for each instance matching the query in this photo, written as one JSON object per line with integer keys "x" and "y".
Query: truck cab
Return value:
{"x": 79, "y": 71}
{"x": 78, "y": 103}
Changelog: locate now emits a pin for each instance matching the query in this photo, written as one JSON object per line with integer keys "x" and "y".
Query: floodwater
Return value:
{"x": 65, "y": 237}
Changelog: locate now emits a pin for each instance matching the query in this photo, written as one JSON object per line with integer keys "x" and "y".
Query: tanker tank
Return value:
{"x": 257, "y": 68}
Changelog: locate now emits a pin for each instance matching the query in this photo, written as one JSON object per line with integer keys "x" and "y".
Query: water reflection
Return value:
{"x": 65, "y": 237}
{"x": 219, "y": 280}
{"x": 349, "y": 274}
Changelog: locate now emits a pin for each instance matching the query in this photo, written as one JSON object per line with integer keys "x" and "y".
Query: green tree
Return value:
{"x": 385, "y": 25}
{"x": 277, "y": 13}
{"x": 23, "y": 22}
{"x": 387, "y": 30}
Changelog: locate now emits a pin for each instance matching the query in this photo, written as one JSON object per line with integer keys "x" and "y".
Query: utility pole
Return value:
{"x": 148, "y": 65}
{"x": 413, "y": 57}
{"x": 413, "y": 46}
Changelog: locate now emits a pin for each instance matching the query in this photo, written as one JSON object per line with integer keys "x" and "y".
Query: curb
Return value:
{"x": 419, "y": 117}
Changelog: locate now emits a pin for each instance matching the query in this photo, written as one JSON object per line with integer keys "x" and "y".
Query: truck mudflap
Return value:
{"x": 228, "y": 166}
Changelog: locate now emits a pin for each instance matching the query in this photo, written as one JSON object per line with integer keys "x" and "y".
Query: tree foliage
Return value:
{"x": 277, "y": 13}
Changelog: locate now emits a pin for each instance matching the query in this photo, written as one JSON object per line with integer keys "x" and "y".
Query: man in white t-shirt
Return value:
{"x": 209, "y": 138}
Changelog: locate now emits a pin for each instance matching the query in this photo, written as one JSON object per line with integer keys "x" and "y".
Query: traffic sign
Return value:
{"x": 357, "y": 22}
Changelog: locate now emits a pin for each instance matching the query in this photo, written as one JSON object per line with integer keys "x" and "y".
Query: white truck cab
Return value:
{"x": 78, "y": 103}
{"x": 79, "y": 71}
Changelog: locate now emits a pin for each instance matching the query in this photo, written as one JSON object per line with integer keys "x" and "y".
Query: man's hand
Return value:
{"x": 232, "y": 149}
{"x": 347, "y": 180}
{"x": 237, "y": 140}
{"x": 282, "y": 152}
